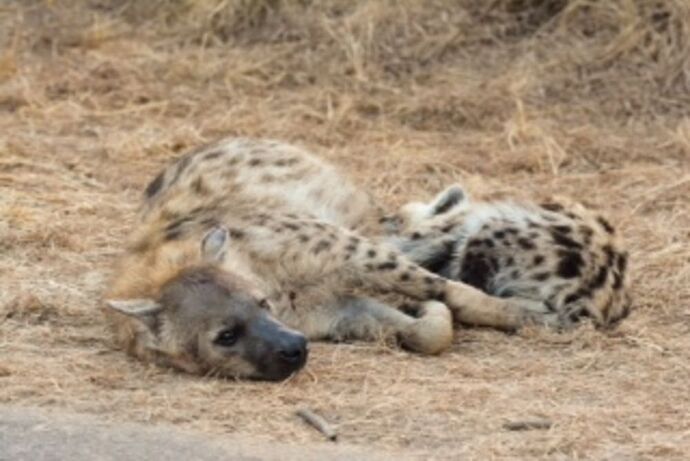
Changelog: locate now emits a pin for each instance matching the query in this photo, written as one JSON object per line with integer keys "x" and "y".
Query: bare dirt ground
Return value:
{"x": 580, "y": 98}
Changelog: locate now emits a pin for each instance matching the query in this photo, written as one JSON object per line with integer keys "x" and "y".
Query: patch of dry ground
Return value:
{"x": 581, "y": 98}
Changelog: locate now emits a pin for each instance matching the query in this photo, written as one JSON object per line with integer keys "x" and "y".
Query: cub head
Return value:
{"x": 418, "y": 215}
{"x": 208, "y": 320}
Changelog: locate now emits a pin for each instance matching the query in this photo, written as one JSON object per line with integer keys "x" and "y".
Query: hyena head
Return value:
{"x": 209, "y": 320}
{"x": 420, "y": 215}
{"x": 415, "y": 213}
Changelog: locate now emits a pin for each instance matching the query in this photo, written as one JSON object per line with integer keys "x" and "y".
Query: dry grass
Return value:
{"x": 582, "y": 98}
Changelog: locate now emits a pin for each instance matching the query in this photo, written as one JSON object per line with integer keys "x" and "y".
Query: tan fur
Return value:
{"x": 297, "y": 231}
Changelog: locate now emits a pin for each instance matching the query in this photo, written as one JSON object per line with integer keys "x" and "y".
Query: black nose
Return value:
{"x": 295, "y": 352}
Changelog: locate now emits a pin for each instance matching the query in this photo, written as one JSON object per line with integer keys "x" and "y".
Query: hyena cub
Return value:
{"x": 561, "y": 254}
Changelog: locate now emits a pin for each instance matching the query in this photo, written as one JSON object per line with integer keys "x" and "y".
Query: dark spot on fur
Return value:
{"x": 476, "y": 271}
{"x": 541, "y": 276}
{"x": 405, "y": 276}
{"x": 537, "y": 260}
{"x": 565, "y": 241}
{"x": 499, "y": 235}
{"x": 606, "y": 225}
{"x": 550, "y": 206}
{"x": 510, "y": 261}
{"x": 286, "y": 161}
{"x": 578, "y": 315}
{"x": 155, "y": 186}
{"x": 388, "y": 266}
{"x": 291, "y": 226}
{"x": 619, "y": 274}
{"x": 213, "y": 154}
{"x": 182, "y": 164}
{"x": 475, "y": 243}
{"x": 352, "y": 246}
{"x": 371, "y": 253}
{"x": 323, "y": 245}
{"x": 173, "y": 234}
{"x": 610, "y": 254}
{"x": 177, "y": 223}
{"x": 561, "y": 229}
{"x": 489, "y": 243}
{"x": 236, "y": 233}
{"x": 303, "y": 238}
{"x": 550, "y": 306}
{"x": 255, "y": 162}
{"x": 515, "y": 274}
{"x": 199, "y": 187}
{"x": 570, "y": 264}
{"x": 447, "y": 228}
{"x": 416, "y": 236}
{"x": 512, "y": 230}
{"x": 526, "y": 244}
{"x": 622, "y": 262}
{"x": 599, "y": 279}
{"x": 572, "y": 297}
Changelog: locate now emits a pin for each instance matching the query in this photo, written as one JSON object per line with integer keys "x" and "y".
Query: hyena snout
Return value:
{"x": 278, "y": 351}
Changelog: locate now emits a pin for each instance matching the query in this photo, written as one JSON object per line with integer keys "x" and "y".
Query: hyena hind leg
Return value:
{"x": 431, "y": 332}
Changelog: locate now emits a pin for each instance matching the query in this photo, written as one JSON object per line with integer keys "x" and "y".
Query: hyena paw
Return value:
{"x": 432, "y": 331}
{"x": 542, "y": 313}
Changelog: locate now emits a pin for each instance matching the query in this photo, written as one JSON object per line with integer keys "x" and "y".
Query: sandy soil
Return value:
{"x": 531, "y": 98}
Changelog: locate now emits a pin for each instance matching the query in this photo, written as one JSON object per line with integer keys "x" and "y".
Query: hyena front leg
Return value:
{"x": 332, "y": 250}
{"x": 306, "y": 251}
{"x": 431, "y": 332}
{"x": 383, "y": 267}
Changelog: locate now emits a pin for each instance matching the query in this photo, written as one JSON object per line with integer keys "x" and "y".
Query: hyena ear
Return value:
{"x": 215, "y": 244}
{"x": 144, "y": 310}
{"x": 448, "y": 199}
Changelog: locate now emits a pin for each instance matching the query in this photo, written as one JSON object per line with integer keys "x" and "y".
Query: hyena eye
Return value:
{"x": 227, "y": 338}
{"x": 264, "y": 304}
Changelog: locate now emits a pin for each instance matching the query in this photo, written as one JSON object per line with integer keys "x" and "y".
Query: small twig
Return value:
{"x": 528, "y": 425}
{"x": 318, "y": 423}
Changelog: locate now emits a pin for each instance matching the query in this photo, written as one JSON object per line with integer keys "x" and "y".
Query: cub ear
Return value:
{"x": 144, "y": 310}
{"x": 448, "y": 199}
{"x": 215, "y": 244}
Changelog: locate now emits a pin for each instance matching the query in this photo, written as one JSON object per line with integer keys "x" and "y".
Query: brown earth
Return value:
{"x": 532, "y": 98}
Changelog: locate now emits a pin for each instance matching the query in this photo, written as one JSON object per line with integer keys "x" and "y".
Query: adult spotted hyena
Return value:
{"x": 246, "y": 247}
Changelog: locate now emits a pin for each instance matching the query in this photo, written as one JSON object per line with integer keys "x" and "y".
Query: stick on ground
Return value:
{"x": 318, "y": 422}
{"x": 528, "y": 425}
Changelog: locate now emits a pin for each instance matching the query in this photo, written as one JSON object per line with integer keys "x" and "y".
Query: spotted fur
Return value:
{"x": 278, "y": 224}
{"x": 561, "y": 254}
